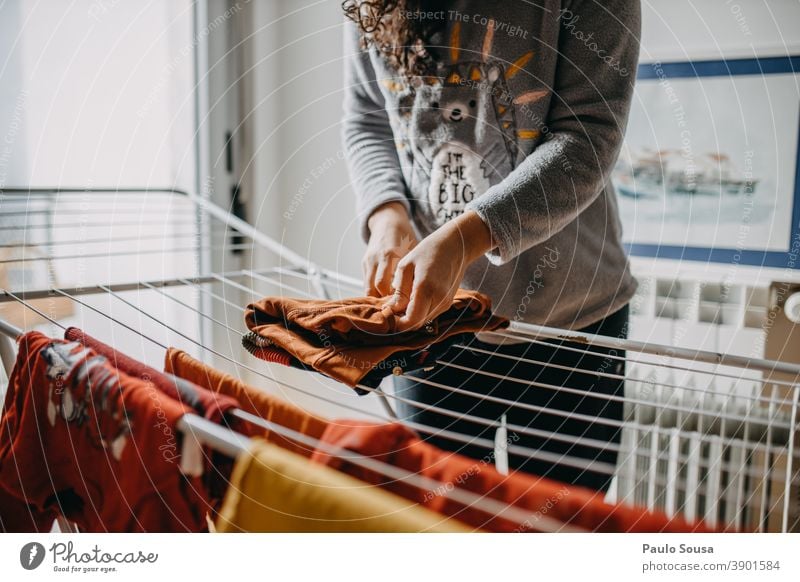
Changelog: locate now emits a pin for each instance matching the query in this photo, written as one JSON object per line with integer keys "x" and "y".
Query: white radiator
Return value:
{"x": 706, "y": 442}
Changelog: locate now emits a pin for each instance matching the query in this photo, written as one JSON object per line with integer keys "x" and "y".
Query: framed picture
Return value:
{"x": 710, "y": 167}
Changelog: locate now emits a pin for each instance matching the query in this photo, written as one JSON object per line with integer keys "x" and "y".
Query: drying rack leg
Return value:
{"x": 8, "y": 354}
{"x": 65, "y": 525}
{"x": 386, "y": 404}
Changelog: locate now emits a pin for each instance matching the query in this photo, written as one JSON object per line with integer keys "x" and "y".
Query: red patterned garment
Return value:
{"x": 82, "y": 439}
{"x": 206, "y": 403}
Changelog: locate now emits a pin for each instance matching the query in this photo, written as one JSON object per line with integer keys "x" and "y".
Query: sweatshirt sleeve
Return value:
{"x": 368, "y": 138}
{"x": 598, "y": 51}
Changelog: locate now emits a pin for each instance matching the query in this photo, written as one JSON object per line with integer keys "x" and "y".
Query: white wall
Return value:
{"x": 309, "y": 194}
{"x": 105, "y": 88}
{"x": 678, "y": 30}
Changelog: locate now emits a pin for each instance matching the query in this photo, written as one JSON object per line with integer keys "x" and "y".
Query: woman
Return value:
{"x": 480, "y": 139}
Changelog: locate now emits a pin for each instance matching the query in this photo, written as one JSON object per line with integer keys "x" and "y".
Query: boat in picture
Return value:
{"x": 655, "y": 174}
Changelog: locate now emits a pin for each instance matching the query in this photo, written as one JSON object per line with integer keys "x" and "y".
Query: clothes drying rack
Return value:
{"x": 728, "y": 457}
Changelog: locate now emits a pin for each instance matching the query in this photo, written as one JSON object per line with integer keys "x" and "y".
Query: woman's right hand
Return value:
{"x": 391, "y": 238}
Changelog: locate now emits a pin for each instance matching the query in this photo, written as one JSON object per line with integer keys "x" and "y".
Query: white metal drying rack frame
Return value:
{"x": 321, "y": 279}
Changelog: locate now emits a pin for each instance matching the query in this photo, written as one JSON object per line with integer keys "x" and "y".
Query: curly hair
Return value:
{"x": 401, "y": 39}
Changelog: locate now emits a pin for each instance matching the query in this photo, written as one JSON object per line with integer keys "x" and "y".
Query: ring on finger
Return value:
{"x": 396, "y": 291}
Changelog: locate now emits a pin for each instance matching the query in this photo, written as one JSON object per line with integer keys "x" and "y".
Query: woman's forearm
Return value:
{"x": 472, "y": 233}
{"x": 388, "y": 215}
{"x": 585, "y": 126}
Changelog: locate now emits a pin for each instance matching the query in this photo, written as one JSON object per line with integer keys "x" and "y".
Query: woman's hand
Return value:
{"x": 427, "y": 278}
{"x": 391, "y": 238}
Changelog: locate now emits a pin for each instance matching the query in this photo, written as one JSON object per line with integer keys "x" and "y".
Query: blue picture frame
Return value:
{"x": 790, "y": 257}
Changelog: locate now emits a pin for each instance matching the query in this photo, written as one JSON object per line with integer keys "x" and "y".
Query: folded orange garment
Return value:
{"x": 350, "y": 338}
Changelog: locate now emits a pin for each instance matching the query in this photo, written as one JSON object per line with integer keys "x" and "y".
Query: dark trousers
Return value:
{"x": 581, "y": 375}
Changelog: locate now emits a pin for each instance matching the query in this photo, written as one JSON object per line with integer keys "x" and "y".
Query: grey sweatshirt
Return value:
{"x": 522, "y": 123}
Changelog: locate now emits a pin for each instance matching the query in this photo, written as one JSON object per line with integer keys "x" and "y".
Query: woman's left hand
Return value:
{"x": 427, "y": 278}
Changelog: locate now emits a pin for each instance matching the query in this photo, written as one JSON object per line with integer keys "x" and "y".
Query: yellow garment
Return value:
{"x": 274, "y": 490}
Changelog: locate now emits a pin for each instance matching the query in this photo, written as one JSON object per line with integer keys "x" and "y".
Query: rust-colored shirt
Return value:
{"x": 251, "y": 400}
{"x": 397, "y": 445}
{"x": 348, "y": 339}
